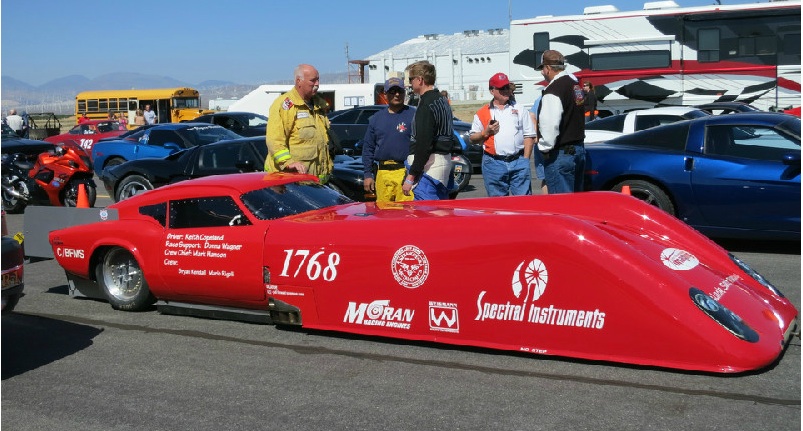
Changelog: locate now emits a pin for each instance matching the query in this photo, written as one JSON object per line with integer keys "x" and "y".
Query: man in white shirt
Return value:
{"x": 507, "y": 135}
{"x": 15, "y": 122}
{"x": 150, "y": 116}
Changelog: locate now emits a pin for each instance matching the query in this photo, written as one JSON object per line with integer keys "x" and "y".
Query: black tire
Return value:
{"x": 130, "y": 186}
{"x": 462, "y": 179}
{"x": 122, "y": 281}
{"x": 114, "y": 161}
{"x": 12, "y": 204}
{"x": 69, "y": 196}
{"x": 649, "y": 193}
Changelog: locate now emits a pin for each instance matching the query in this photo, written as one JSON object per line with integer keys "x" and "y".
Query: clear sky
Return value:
{"x": 242, "y": 41}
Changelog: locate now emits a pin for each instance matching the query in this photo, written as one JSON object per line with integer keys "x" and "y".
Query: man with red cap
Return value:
{"x": 561, "y": 126}
{"x": 507, "y": 135}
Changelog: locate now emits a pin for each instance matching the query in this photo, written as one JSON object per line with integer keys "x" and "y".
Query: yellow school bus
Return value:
{"x": 171, "y": 105}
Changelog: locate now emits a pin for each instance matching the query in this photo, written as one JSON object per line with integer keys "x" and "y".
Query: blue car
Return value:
{"x": 157, "y": 141}
{"x": 728, "y": 176}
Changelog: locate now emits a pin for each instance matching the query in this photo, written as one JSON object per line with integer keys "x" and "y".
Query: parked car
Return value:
{"x": 241, "y": 123}
{"x": 157, "y": 141}
{"x": 728, "y": 176}
{"x": 13, "y": 263}
{"x": 279, "y": 248}
{"x": 349, "y": 127}
{"x": 603, "y": 129}
{"x": 87, "y": 134}
{"x": 218, "y": 158}
{"x": 720, "y": 108}
{"x": 13, "y": 144}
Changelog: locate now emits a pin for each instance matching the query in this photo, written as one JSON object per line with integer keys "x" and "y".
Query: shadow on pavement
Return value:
{"x": 29, "y": 342}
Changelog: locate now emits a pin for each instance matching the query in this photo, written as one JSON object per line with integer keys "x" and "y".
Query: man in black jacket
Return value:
{"x": 561, "y": 126}
{"x": 430, "y": 161}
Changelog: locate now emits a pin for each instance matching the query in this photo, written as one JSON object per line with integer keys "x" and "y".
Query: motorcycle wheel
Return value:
{"x": 69, "y": 197}
{"x": 462, "y": 179}
{"x": 11, "y": 203}
{"x": 131, "y": 185}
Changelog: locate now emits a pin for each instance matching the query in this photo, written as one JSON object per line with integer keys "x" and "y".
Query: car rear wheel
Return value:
{"x": 131, "y": 185}
{"x": 649, "y": 193}
{"x": 114, "y": 161}
{"x": 121, "y": 279}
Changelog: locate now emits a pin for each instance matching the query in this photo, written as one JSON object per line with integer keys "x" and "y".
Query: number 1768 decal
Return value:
{"x": 316, "y": 265}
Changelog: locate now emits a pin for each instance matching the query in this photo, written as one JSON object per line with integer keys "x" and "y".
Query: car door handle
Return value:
{"x": 688, "y": 163}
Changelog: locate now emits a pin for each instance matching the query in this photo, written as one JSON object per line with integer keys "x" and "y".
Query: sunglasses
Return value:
{"x": 410, "y": 80}
{"x": 500, "y": 88}
{"x": 395, "y": 90}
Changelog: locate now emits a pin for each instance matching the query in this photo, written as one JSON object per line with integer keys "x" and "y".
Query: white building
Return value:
{"x": 464, "y": 62}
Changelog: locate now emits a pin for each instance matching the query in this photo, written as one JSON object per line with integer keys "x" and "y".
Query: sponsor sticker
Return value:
{"x": 378, "y": 313}
{"x": 71, "y": 253}
{"x": 678, "y": 260}
{"x": 410, "y": 266}
{"x": 443, "y": 317}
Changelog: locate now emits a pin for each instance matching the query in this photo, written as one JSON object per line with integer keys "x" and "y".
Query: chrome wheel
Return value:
{"x": 123, "y": 282}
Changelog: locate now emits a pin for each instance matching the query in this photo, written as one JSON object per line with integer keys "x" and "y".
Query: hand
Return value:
{"x": 368, "y": 185}
{"x": 409, "y": 181}
{"x": 296, "y": 166}
{"x": 492, "y": 129}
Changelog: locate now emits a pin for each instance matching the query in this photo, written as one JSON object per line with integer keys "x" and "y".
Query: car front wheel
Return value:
{"x": 131, "y": 185}
{"x": 649, "y": 193}
{"x": 121, "y": 279}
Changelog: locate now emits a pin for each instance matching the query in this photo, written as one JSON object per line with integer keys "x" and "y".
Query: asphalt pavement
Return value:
{"x": 72, "y": 364}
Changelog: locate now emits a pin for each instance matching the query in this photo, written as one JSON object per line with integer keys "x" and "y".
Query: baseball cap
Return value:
{"x": 393, "y": 82}
{"x": 499, "y": 80}
{"x": 550, "y": 58}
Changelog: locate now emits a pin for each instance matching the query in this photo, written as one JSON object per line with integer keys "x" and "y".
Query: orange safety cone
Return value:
{"x": 626, "y": 190}
{"x": 82, "y": 200}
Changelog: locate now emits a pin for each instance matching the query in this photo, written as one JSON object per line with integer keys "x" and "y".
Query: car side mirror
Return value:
{"x": 172, "y": 146}
{"x": 791, "y": 159}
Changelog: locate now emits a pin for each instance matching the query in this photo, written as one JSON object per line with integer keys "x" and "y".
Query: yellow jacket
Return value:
{"x": 297, "y": 134}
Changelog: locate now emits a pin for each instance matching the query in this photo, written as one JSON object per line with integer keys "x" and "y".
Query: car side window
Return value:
{"x": 756, "y": 143}
{"x": 215, "y": 211}
{"x": 157, "y": 212}
{"x": 614, "y": 123}
{"x": 366, "y": 115}
{"x": 219, "y": 158}
{"x": 161, "y": 137}
{"x": 348, "y": 117}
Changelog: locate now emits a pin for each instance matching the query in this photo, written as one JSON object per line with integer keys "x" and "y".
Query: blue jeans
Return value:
{"x": 506, "y": 178}
{"x": 430, "y": 189}
{"x": 564, "y": 172}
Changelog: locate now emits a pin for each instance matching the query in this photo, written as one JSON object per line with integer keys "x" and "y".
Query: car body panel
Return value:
{"x": 751, "y": 192}
{"x": 644, "y": 295}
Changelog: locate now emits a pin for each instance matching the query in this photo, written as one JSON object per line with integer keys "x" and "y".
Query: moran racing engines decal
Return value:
{"x": 528, "y": 286}
{"x": 379, "y": 313}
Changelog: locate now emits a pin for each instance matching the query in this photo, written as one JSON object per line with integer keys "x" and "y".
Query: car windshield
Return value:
{"x": 206, "y": 134}
{"x": 289, "y": 199}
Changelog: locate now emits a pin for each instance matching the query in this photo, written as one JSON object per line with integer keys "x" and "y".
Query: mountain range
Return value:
{"x": 58, "y": 95}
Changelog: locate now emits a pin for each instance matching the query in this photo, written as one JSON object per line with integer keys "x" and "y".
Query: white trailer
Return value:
{"x": 668, "y": 55}
{"x": 339, "y": 96}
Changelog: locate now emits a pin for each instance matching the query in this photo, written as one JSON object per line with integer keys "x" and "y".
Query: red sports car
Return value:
{"x": 599, "y": 276}
{"x": 87, "y": 134}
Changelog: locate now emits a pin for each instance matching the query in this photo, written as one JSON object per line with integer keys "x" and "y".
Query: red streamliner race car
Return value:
{"x": 599, "y": 276}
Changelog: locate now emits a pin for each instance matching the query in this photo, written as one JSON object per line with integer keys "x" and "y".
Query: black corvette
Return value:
{"x": 224, "y": 157}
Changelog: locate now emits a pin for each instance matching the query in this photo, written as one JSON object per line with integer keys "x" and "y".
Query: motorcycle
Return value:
{"x": 54, "y": 178}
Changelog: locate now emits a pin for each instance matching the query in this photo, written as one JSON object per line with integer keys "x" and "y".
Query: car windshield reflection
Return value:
{"x": 289, "y": 199}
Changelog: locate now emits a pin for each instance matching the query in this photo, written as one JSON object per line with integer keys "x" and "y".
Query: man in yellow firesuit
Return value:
{"x": 298, "y": 129}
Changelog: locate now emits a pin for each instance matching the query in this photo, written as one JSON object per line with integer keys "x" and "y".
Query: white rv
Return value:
{"x": 339, "y": 96}
{"x": 668, "y": 55}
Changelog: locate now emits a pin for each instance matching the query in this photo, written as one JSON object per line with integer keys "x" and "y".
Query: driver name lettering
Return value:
{"x": 198, "y": 245}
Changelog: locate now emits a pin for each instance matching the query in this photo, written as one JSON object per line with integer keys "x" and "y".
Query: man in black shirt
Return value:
{"x": 430, "y": 160}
